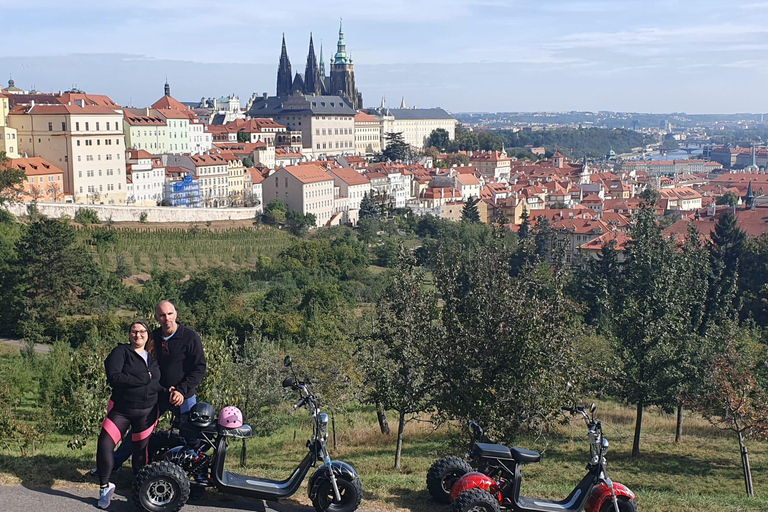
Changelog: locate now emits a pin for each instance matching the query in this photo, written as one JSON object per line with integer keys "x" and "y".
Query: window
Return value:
{"x": 97, "y": 125}
{"x": 77, "y": 129}
{"x": 80, "y": 175}
{"x": 108, "y": 157}
{"x": 78, "y": 142}
{"x": 86, "y": 126}
{"x": 79, "y": 158}
{"x": 89, "y": 143}
{"x": 63, "y": 126}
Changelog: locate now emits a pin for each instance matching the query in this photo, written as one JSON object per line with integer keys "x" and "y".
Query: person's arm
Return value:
{"x": 114, "y": 366}
{"x": 194, "y": 368}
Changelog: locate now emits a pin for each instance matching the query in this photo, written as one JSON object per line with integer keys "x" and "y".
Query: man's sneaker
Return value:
{"x": 105, "y": 495}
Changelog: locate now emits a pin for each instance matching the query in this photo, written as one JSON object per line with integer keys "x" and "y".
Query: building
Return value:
{"x": 186, "y": 133}
{"x": 182, "y": 188}
{"x": 492, "y": 164}
{"x": 145, "y": 129}
{"x": 145, "y": 178}
{"x": 341, "y": 81}
{"x": 367, "y": 134}
{"x": 416, "y": 124}
{"x": 254, "y": 191}
{"x": 44, "y": 182}
{"x": 84, "y": 139}
{"x": 326, "y": 123}
{"x": 305, "y": 188}
{"x": 353, "y": 186}
{"x": 212, "y": 171}
{"x": 9, "y": 142}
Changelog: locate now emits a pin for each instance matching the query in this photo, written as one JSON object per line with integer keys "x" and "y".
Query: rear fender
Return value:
{"x": 475, "y": 481}
{"x": 601, "y": 494}
{"x": 339, "y": 469}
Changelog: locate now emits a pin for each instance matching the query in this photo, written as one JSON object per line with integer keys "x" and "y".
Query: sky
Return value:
{"x": 694, "y": 56}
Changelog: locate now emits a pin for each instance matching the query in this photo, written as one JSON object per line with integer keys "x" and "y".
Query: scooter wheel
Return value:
{"x": 160, "y": 487}
{"x": 443, "y": 474}
{"x": 350, "y": 489}
{"x": 475, "y": 500}
{"x": 625, "y": 505}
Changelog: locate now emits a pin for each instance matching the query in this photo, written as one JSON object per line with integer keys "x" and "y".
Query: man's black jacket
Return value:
{"x": 128, "y": 374}
{"x": 181, "y": 358}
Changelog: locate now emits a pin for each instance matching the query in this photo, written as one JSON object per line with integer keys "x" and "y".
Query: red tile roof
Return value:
{"x": 34, "y": 166}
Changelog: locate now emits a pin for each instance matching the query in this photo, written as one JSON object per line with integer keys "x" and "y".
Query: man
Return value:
{"x": 179, "y": 353}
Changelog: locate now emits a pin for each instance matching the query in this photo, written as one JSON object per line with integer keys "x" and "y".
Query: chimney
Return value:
{"x": 147, "y": 111}
{"x": 265, "y": 96}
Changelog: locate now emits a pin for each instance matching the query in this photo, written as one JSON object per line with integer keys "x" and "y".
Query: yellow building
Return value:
{"x": 9, "y": 141}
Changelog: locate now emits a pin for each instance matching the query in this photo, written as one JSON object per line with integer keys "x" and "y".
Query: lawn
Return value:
{"x": 702, "y": 473}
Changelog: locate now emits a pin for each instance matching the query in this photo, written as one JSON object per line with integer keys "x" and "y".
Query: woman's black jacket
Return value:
{"x": 129, "y": 376}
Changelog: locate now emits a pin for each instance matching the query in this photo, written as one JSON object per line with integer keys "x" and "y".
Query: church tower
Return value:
{"x": 312, "y": 81}
{"x": 343, "y": 74}
{"x": 284, "y": 75}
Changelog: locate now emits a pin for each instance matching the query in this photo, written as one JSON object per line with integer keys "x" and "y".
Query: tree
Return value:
{"x": 525, "y": 224}
{"x": 243, "y": 136}
{"x": 53, "y": 273}
{"x": 248, "y": 161}
{"x": 456, "y": 159}
{"x": 735, "y": 399}
{"x": 725, "y": 253}
{"x": 11, "y": 180}
{"x": 649, "y": 319}
{"x": 299, "y": 223}
{"x": 395, "y": 354}
{"x": 368, "y": 208}
{"x": 397, "y": 150}
{"x": 729, "y": 198}
{"x": 439, "y": 138}
{"x": 275, "y": 213}
{"x": 651, "y": 195}
{"x": 470, "y": 212}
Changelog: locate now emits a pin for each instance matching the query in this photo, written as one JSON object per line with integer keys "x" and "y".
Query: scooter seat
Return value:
{"x": 524, "y": 456}
{"x": 491, "y": 451}
{"x": 243, "y": 432}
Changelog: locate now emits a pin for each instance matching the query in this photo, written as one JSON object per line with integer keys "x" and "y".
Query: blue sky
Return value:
{"x": 472, "y": 55}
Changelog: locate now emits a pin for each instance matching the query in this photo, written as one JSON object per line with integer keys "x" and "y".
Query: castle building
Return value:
{"x": 341, "y": 81}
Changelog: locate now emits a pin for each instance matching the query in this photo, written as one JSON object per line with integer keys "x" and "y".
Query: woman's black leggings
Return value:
{"x": 116, "y": 424}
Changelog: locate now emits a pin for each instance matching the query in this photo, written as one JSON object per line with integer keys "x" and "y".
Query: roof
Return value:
{"x": 307, "y": 173}
{"x": 350, "y": 176}
{"x": 308, "y": 103}
{"x": 169, "y": 102}
{"x": 34, "y": 166}
{"x": 62, "y": 109}
{"x": 467, "y": 179}
{"x": 362, "y": 117}
{"x": 136, "y": 154}
{"x": 417, "y": 113}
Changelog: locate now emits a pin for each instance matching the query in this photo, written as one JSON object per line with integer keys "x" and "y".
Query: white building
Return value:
{"x": 145, "y": 176}
{"x": 305, "y": 188}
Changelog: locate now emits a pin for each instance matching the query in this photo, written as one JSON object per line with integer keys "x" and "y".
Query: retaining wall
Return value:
{"x": 133, "y": 213}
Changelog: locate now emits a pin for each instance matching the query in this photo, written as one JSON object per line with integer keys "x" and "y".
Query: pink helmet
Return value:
{"x": 231, "y": 417}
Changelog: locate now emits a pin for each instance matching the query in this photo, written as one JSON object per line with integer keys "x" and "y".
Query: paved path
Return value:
{"x": 16, "y": 498}
{"x": 40, "y": 349}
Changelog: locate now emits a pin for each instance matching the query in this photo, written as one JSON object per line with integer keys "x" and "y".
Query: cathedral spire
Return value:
{"x": 322, "y": 63}
{"x": 167, "y": 87}
{"x": 284, "y": 74}
{"x": 341, "y": 48}
{"x": 750, "y": 197}
{"x": 312, "y": 81}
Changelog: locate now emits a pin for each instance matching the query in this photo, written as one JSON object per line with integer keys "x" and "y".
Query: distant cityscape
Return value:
{"x": 313, "y": 146}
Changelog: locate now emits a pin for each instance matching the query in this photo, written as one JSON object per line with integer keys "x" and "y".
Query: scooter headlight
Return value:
{"x": 322, "y": 421}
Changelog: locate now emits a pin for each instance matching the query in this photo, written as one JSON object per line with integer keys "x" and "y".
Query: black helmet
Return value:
{"x": 202, "y": 414}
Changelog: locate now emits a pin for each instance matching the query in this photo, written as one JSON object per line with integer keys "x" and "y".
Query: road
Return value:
{"x": 15, "y": 498}
{"x": 39, "y": 349}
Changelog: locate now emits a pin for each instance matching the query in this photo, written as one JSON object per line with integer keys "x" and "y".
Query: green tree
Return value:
{"x": 470, "y": 212}
{"x": 649, "y": 319}
{"x": 397, "y": 150}
{"x": 726, "y": 251}
{"x": 53, "y": 273}
{"x": 243, "y": 136}
{"x": 456, "y": 159}
{"x": 525, "y": 224}
{"x": 86, "y": 216}
{"x": 729, "y": 198}
{"x": 248, "y": 162}
{"x": 299, "y": 223}
{"x": 368, "y": 207}
{"x": 651, "y": 195}
{"x": 11, "y": 180}
{"x": 395, "y": 354}
{"x": 275, "y": 213}
{"x": 439, "y": 138}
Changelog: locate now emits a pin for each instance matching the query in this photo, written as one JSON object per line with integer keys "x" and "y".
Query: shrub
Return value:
{"x": 143, "y": 217}
{"x": 86, "y": 217}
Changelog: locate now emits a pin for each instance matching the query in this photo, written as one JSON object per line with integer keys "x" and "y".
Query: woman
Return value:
{"x": 134, "y": 376}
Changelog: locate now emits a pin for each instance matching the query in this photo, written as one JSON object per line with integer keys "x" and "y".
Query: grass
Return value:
{"x": 703, "y": 473}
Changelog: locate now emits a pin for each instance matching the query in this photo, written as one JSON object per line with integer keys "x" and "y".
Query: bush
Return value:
{"x": 143, "y": 217}
{"x": 86, "y": 217}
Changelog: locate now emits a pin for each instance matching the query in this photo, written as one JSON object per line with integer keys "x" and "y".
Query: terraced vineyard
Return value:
{"x": 141, "y": 250}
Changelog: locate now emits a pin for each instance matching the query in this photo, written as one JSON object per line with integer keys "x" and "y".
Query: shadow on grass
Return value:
{"x": 414, "y": 500}
{"x": 43, "y": 470}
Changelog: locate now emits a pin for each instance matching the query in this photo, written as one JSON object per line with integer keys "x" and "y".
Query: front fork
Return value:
{"x": 332, "y": 477}
{"x": 609, "y": 483}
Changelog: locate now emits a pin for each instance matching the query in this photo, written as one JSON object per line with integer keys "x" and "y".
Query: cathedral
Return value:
{"x": 341, "y": 81}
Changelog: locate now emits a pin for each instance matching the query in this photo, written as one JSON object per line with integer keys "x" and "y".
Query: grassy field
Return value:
{"x": 702, "y": 473}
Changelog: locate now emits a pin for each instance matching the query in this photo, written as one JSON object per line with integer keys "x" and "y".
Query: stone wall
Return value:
{"x": 133, "y": 213}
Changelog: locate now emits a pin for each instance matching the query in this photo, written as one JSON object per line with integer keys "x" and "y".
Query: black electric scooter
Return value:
{"x": 164, "y": 486}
